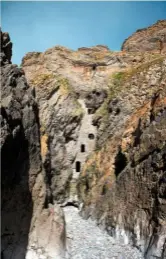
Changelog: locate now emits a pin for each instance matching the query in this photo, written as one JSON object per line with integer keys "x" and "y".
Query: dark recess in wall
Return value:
{"x": 120, "y": 162}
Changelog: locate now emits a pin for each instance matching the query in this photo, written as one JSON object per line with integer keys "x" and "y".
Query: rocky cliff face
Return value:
{"x": 123, "y": 184}
{"x": 96, "y": 137}
{"x": 152, "y": 38}
{"x": 24, "y": 208}
{"x": 122, "y": 97}
{"x": 69, "y": 85}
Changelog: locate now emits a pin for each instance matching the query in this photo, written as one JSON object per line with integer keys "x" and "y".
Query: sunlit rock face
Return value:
{"x": 152, "y": 38}
{"x": 123, "y": 184}
{"x": 85, "y": 126}
{"x": 121, "y": 97}
{"x": 23, "y": 187}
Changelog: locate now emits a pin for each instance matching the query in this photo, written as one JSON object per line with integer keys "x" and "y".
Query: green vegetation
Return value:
{"x": 118, "y": 76}
{"x": 66, "y": 89}
{"x": 42, "y": 129}
{"x": 120, "y": 80}
{"x": 77, "y": 111}
{"x": 42, "y": 79}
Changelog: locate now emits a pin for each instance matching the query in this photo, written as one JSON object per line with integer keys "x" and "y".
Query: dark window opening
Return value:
{"x": 94, "y": 67}
{"x": 91, "y": 136}
{"x": 78, "y": 166}
{"x": 89, "y": 97}
{"x": 89, "y": 111}
{"x": 77, "y": 95}
{"x": 82, "y": 148}
{"x": 117, "y": 111}
{"x": 110, "y": 110}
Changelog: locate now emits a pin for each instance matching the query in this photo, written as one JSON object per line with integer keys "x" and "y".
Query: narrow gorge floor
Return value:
{"x": 87, "y": 241}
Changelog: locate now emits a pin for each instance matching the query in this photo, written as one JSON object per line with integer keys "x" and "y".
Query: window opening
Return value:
{"x": 91, "y": 136}
{"x": 78, "y": 166}
{"x": 82, "y": 148}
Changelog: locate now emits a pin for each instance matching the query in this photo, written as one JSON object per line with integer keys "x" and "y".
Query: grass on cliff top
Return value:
{"x": 99, "y": 55}
{"x": 64, "y": 87}
{"x": 122, "y": 77}
{"x": 42, "y": 79}
{"x": 91, "y": 175}
{"x": 118, "y": 81}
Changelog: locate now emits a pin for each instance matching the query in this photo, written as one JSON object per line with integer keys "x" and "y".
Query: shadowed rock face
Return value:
{"x": 20, "y": 154}
{"x": 6, "y": 49}
{"x": 23, "y": 188}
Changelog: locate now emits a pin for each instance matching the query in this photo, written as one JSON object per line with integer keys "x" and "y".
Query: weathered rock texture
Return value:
{"x": 23, "y": 187}
{"x": 152, "y": 38}
{"x": 116, "y": 97}
{"x": 61, "y": 78}
{"x": 123, "y": 184}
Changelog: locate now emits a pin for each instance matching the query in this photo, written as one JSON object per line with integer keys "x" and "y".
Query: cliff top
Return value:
{"x": 147, "y": 39}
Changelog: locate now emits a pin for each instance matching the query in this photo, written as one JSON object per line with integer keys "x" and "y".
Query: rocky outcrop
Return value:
{"x": 24, "y": 207}
{"x": 152, "y": 38}
{"x": 48, "y": 238}
{"x": 122, "y": 96}
{"x": 61, "y": 78}
{"x": 91, "y": 111}
{"x": 123, "y": 184}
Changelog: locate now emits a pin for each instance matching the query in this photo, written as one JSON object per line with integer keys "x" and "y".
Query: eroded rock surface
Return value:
{"x": 152, "y": 38}
{"x": 48, "y": 239}
{"x": 23, "y": 187}
{"x": 123, "y": 184}
{"x": 62, "y": 77}
{"x": 91, "y": 111}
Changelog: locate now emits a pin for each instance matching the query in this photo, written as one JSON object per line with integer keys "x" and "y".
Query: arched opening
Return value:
{"x": 82, "y": 148}
{"x": 78, "y": 166}
{"x": 91, "y": 136}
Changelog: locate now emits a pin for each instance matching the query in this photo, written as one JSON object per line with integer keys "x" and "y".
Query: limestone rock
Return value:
{"x": 48, "y": 238}
{"x": 61, "y": 77}
{"x": 122, "y": 97}
{"x": 152, "y": 38}
{"x": 123, "y": 183}
{"x": 88, "y": 126}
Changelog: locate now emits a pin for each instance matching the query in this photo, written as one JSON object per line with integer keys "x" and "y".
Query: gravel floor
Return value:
{"x": 86, "y": 241}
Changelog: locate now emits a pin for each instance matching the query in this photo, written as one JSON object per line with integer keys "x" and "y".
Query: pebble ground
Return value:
{"x": 85, "y": 240}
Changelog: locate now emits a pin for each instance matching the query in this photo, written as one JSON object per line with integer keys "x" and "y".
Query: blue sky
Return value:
{"x": 37, "y": 26}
